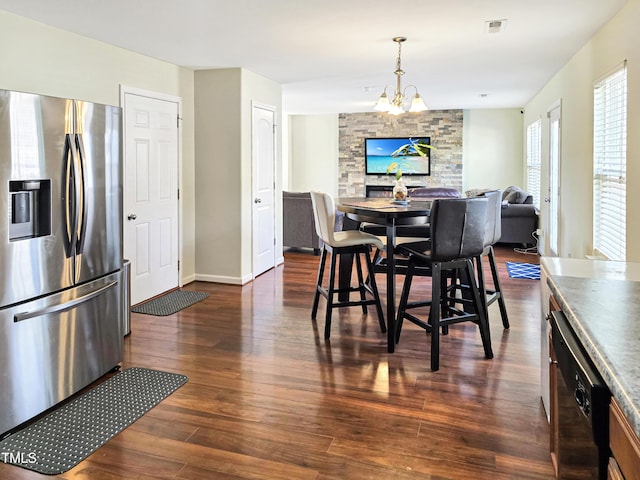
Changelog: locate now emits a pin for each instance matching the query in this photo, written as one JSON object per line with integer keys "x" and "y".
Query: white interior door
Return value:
{"x": 263, "y": 160}
{"x": 553, "y": 194}
{"x": 151, "y": 194}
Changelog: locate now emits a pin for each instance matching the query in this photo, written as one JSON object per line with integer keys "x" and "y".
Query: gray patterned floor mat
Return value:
{"x": 64, "y": 437}
{"x": 170, "y": 303}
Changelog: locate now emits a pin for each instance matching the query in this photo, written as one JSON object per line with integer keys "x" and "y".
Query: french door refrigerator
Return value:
{"x": 60, "y": 250}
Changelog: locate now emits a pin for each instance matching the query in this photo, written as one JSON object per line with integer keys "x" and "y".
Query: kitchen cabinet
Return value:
{"x": 552, "y": 377}
{"x": 625, "y": 446}
{"x": 553, "y": 405}
{"x": 614, "y": 473}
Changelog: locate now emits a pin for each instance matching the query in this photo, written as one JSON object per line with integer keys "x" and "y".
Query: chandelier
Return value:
{"x": 395, "y": 106}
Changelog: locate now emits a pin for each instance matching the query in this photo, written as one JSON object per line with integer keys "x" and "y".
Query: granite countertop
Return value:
{"x": 605, "y": 314}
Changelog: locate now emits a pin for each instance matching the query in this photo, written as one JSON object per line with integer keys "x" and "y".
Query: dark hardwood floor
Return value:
{"x": 268, "y": 398}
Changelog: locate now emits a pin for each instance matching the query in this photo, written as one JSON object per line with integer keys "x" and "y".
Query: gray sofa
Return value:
{"x": 519, "y": 217}
{"x": 299, "y": 229}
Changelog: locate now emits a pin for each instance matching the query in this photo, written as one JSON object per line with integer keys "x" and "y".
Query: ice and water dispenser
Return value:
{"x": 29, "y": 209}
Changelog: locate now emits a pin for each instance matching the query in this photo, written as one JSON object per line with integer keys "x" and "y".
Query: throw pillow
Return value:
{"x": 477, "y": 192}
{"x": 515, "y": 195}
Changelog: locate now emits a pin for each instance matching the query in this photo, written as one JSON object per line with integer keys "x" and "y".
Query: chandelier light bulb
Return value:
{"x": 383, "y": 104}
{"x": 417, "y": 104}
{"x": 396, "y": 109}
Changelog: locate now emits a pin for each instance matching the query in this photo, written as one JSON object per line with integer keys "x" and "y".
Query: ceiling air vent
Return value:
{"x": 495, "y": 26}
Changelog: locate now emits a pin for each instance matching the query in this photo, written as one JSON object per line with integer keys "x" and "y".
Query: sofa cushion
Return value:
{"x": 516, "y": 195}
{"x": 518, "y": 210}
{"x": 434, "y": 192}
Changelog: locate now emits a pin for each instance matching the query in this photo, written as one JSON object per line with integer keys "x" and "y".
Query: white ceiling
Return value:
{"x": 336, "y": 56}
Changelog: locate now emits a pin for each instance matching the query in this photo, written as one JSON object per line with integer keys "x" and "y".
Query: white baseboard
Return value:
{"x": 223, "y": 279}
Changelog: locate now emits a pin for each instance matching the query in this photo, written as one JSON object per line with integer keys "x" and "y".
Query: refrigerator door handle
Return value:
{"x": 68, "y": 192}
{"x": 81, "y": 211}
{"x": 61, "y": 307}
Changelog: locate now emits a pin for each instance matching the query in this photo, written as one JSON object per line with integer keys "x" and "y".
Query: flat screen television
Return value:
{"x": 380, "y": 153}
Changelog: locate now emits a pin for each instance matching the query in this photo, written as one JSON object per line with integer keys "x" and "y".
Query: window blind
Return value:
{"x": 610, "y": 165}
{"x": 534, "y": 160}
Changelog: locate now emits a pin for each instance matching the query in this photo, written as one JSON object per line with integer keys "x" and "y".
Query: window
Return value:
{"x": 610, "y": 165}
{"x": 534, "y": 160}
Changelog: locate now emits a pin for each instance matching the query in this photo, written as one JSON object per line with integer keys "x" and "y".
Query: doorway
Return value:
{"x": 151, "y": 196}
{"x": 553, "y": 192}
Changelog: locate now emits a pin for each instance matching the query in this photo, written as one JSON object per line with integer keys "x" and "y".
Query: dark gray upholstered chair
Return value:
{"x": 352, "y": 242}
{"x": 457, "y": 237}
{"x": 298, "y": 229}
{"x": 410, "y": 232}
{"x": 492, "y": 236}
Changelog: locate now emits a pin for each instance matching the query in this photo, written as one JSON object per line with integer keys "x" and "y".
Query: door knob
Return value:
{"x": 257, "y": 200}
{"x": 133, "y": 216}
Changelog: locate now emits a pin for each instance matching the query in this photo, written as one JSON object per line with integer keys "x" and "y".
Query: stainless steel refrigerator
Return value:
{"x": 60, "y": 250}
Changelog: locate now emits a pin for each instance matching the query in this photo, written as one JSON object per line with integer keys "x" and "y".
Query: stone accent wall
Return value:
{"x": 443, "y": 126}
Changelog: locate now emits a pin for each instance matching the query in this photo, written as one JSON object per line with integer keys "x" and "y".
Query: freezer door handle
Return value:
{"x": 61, "y": 307}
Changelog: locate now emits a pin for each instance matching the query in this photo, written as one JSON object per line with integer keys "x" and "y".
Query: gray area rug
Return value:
{"x": 64, "y": 437}
{"x": 170, "y": 303}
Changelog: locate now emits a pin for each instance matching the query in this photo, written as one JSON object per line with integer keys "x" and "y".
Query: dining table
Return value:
{"x": 390, "y": 214}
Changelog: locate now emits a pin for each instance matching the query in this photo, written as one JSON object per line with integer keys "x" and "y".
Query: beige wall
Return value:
{"x": 223, "y": 171}
{"x": 313, "y": 154}
{"x": 573, "y": 87}
{"x": 217, "y": 174}
{"x": 492, "y": 149}
{"x": 40, "y": 59}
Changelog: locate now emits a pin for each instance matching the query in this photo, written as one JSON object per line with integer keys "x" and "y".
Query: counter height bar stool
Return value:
{"x": 352, "y": 242}
{"x": 457, "y": 237}
{"x": 492, "y": 235}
